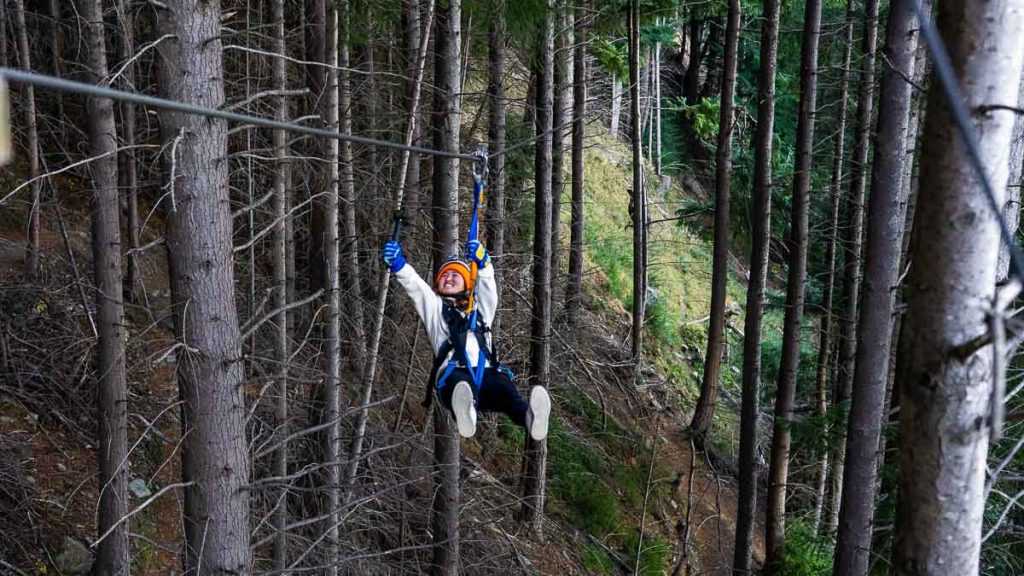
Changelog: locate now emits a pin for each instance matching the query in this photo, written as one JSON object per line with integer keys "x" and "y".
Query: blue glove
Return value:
{"x": 475, "y": 252}
{"x": 393, "y": 256}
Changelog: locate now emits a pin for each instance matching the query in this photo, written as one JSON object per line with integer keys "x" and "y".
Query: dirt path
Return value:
{"x": 711, "y": 496}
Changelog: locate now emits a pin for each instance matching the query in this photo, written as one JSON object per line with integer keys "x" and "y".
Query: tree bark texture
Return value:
{"x": 353, "y": 274}
{"x": 691, "y": 79}
{"x": 884, "y": 237}
{"x": 413, "y": 34}
{"x": 199, "y": 231}
{"x": 616, "y": 112}
{"x": 827, "y": 326}
{"x": 32, "y": 141}
{"x": 574, "y": 288}
{"x": 113, "y": 554}
{"x": 760, "y": 236}
{"x": 280, "y": 270}
{"x": 496, "y": 136}
{"x": 639, "y": 200}
{"x": 707, "y": 401}
{"x": 789, "y": 366}
{"x": 852, "y": 244}
{"x": 560, "y": 102}
{"x": 4, "y": 19}
{"x": 325, "y": 231}
{"x": 535, "y": 454}
{"x": 128, "y": 169}
{"x": 1012, "y": 205}
{"x": 446, "y": 122}
{"x": 946, "y": 388}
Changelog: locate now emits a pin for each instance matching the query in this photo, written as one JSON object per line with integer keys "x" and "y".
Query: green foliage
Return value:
{"x": 806, "y": 553}
{"x": 653, "y": 34}
{"x": 655, "y": 554}
{"x": 660, "y": 323}
{"x": 702, "y": 118}
{"x": 576, "y": 403}
{"x": 575, "y": 471}
{"x": 612, "y": 56}
{"x": 596, "y": 560}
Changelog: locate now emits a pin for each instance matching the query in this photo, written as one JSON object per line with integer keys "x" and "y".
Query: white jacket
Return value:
{"x": 429, "y": 306}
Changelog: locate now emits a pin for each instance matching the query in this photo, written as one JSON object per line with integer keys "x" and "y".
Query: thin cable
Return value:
{"x": 69, "y": 86}
{"x": 955, "y": 98}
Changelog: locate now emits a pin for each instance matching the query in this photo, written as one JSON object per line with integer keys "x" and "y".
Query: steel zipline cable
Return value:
{"x": 955, "y": 98}
{"x": 73, "y": 87}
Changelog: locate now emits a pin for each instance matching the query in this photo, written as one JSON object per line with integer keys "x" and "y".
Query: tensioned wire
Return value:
{"x": 961, "y": 117}
{"x": 73, "y": 87}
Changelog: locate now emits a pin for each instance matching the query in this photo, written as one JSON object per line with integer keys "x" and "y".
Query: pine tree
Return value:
{"x": 215, "y": 452}
{"x": 946, "y": 381}
{"x": 760, "y": 234}
{"x": 706, "y": 402}
{"x": 785, "y": 396}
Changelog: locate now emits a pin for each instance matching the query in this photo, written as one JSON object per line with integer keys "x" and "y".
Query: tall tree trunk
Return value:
{"x": 128, "y": 170}
{"x": 691, "y": 80}
{"x": 199, "y": 244}
{"x": 761, "y": 232}
{"x": 328, "y": 207}
{"x": 888, "y": 452}
{"x": 1012, "y": 205}
{"x": 574, "y": 289}
{"x": 3, "y": 34}
{"x": 32, "y": 141}
{"x": 886, "y": 215}
{"x": 852, "y": 242}
{"x": 113, "y": 555}
{"x": 496, "y": 133}
{"x": 945, "y": 385}
{"x": 656, "y": 108}
{"x": 558, "y": 118}
{"x": 705, "y": 409}
{"x": 56, "y": 59}
{"x": 613, "y": 124}
{"x": 413, "y": 35}
{"x": 353, "y": 274}
{"x": 639, "y": 200}
{"x": 322, "y": 80}
{"x": 446, "y": 122}
{"x": 536, "y": 453}
{"x": 785, "y": 397}
{"x": 315, "y": 74}
{"x": 530, "y": 106}
{"x": 826, "y": 328}
{"x": 280, "y": 287}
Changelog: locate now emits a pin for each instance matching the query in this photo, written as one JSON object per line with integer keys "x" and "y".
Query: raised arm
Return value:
{"x": 424, "y": 299}
{"x": 428, "y": 304}
{"x": 487, "y": 294}
{"x": 486, "y": 284}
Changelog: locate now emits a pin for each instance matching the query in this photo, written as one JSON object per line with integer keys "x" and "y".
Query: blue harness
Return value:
{"x": 459, "y": 328}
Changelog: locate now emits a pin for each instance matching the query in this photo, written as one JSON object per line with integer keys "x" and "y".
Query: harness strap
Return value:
{"x": 459, "y": 328}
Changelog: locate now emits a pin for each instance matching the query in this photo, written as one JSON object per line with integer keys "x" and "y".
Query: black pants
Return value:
{"x": 497, "y": 393}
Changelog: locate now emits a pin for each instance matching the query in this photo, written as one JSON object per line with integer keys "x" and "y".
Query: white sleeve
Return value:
{"x": 487, "y": 293}
{"x": 427, "y": 303}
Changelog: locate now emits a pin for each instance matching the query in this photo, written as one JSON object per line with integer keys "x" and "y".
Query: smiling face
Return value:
{"x": 451, "y": 283}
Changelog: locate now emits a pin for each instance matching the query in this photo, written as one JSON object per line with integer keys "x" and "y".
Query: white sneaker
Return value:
{"x": 462, "y": 407}
{"x": 540, "y": 410}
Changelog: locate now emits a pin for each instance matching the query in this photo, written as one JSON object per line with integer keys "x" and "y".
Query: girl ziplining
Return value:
{"x": 466, "y": 374}
{"x": 457, "y": 314}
